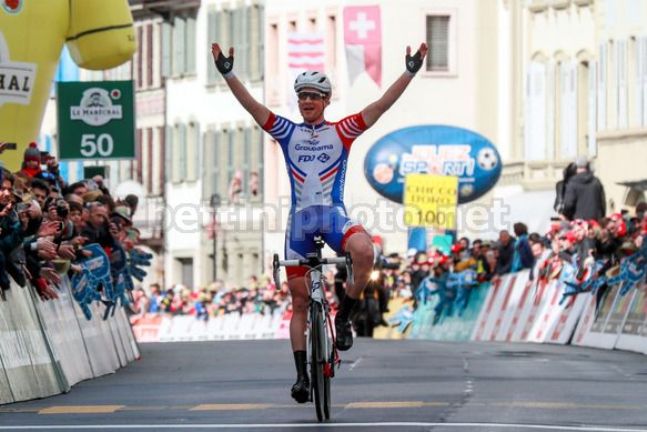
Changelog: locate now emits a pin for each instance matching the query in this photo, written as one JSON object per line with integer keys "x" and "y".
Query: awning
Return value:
{"x": 640, "y": 185}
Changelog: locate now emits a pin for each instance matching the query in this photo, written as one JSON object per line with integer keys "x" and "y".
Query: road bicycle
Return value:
{"x": 321, "y": 339}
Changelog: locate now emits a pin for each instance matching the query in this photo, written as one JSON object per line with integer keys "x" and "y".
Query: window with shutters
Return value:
{"x": 219, "y": 163}
{"x": 167, "y": 46}
{"x": 535, "y": 119}
{"x": 441, "y": 40}
{"x": 583, "y": 84}
{"x": 602, "y": 87}
{"x": 178, "y": 59}
{"x": 190, "y": 45}
{"x": 567, "y": 110}
{"x": 230, "y": 27}
{"x": 181, "y": 152}
{"x": 246, "y": 166}
{"x": 438, "y": 40}
{"x": 255, "y": 19}
{"x": 212, "y": 36}
{"x": 240, "y": 32}
{"x": 621, "y": 81}
{"x": 207, "y": 151}
{"x": 192, "y": 151}
{"x": 641, "y": 47}
{"x": 183, "y": 44}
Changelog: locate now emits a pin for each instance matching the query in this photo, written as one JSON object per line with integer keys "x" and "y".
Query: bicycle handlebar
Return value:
{"x": 312, "y": 262}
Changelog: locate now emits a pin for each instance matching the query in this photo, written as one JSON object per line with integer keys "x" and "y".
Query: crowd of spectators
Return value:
{"x": 579, "y": 236}
{"x": 44, "y": 223}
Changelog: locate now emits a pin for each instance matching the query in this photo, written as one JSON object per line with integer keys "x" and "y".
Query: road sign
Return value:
{"x": 430, "y": 201}
{"x": 96, "y": 120}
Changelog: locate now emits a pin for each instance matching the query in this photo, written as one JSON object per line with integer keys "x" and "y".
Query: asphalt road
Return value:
{"x": 381, "y": 386}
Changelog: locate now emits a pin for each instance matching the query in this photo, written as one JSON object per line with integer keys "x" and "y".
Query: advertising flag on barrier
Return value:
{"x": 430, "y": 201}
{"x": 363, "y": 41}
{"x": 95, "y": 271}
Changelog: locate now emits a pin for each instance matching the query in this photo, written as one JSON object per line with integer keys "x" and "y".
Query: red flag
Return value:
{"x": 363, "y": 40}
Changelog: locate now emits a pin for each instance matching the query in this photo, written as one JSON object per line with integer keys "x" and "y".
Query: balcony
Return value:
{"x": 536, "y": 6}
{"x": 149, "y": 220}
{"x": 532, "y": 175}
{"x": 560, "y": 4}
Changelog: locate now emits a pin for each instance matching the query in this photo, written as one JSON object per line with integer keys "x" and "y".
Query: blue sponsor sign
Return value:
{"x": 433, "y": 149}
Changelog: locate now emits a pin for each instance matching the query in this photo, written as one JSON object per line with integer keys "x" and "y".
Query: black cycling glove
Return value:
{"x": 414, "y": 63}
{"x": 224, "y": 64}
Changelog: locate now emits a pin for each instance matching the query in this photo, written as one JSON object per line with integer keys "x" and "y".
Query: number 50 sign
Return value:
{"x": 96, "y": 120}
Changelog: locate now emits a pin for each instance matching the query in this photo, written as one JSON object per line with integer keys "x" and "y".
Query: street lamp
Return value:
{"x": 214, "y": 202}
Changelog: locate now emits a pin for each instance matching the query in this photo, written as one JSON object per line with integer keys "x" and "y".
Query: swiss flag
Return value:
{"x": 363, "y": 41}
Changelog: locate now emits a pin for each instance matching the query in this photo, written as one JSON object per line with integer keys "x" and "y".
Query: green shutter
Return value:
{"x": 211, "y": 38}
{"x": 197, "y": 146}
{"x": 179, "y": 26}
{"x": 216, "y": 161}
{"x": 168, "y": 155}
{"x": 207, "y": 149}
{"x": 247, "y": 159}
{"x": 167, "y": 46}
{"x": 189, "y": 44}
{"x": 182, "y": 159}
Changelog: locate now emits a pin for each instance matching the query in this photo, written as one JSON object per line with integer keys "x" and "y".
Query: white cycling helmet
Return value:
{"x": 313, "y": 79}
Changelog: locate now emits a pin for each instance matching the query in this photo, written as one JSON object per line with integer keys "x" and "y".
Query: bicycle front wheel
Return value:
{"x": 320, "y": 382}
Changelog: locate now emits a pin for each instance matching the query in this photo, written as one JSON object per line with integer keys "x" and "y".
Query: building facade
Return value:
{"x": 214, "y": 149}
{"x": 464, "y": 83}
{"x": 553, "y": 76}
{"x": 621, "y": 48}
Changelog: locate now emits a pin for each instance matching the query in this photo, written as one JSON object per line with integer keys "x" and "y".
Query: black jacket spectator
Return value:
{"x": 560, "y": 187}
{"x": 584, "y": 197}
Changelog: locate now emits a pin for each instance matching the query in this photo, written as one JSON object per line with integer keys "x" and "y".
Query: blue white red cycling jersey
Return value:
{"x": 316, "y": 158}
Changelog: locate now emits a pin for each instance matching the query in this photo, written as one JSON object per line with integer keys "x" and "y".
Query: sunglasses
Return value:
{"x": 312, "y": 95}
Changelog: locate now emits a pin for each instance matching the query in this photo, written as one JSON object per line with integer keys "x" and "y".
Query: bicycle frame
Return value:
{"x": 323, "y": 353}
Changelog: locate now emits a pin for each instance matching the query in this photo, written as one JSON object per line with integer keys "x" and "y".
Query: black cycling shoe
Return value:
{"x": 344, "y": 334}
{"x": 301, "y": 389}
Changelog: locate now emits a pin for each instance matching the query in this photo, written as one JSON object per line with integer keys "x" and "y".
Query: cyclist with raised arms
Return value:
{"x": 316, "y": 152}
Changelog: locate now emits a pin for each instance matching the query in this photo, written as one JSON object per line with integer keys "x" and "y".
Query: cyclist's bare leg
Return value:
{"x": 300, "y": 299}
{"x": 361, "y": 250}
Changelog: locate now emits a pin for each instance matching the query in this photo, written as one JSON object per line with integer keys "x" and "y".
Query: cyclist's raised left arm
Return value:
{"x": 374, "y": 111}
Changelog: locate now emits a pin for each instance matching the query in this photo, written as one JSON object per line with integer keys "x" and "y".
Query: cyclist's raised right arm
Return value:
{"x": 258, "y": 111}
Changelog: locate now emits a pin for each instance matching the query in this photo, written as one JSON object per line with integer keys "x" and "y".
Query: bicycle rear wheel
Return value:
{"x": 320, "y": 383}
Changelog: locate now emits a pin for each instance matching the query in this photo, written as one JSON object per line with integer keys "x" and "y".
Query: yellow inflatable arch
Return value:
{"x": 99, "y": 35}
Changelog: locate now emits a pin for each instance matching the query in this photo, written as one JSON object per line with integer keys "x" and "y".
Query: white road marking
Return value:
{"x": 284, "y": 426}
{"x": 355, "y": 363}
